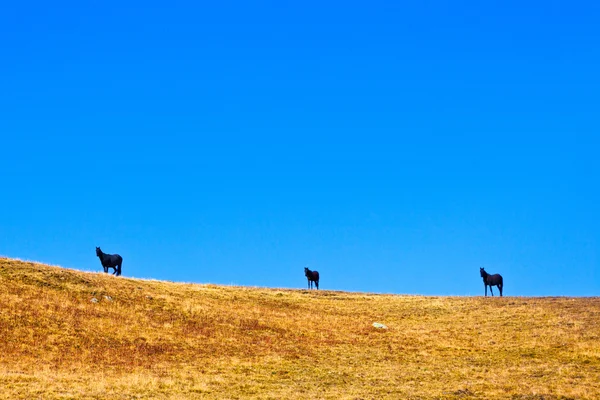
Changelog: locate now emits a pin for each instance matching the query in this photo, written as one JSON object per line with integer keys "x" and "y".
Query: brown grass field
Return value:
{"x": 164, "y": 340}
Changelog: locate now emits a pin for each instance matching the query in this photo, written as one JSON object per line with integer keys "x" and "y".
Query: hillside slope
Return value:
{"x": 150, "y": 339}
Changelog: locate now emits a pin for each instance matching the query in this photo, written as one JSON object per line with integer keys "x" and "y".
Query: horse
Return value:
{"x": 110, "y": 261}
{"x": 312, "y": 276}
{"x": 491, "y": 280}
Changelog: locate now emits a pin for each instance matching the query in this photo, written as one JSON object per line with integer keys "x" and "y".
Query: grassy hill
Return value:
{"x": 150, "y": 339}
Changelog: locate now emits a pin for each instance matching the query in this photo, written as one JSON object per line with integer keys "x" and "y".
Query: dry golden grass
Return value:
{"x": 162, "y": 340}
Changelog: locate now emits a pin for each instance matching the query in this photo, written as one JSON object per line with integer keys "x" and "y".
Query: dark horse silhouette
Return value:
{"x": 113, "y": 261}
{"x": 312, "y": 276}
{"x": 491, "y": 280}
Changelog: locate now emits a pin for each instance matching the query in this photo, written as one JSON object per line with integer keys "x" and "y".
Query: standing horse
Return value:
{"x": 110, "y": 261}
{"x": 312, "y": 276}
{"x": 491, "y": 280}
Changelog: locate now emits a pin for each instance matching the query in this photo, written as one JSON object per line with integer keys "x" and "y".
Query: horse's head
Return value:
{"x": 98, "y": 251}
{"x": 306, "y": 271}
{"x": 482, "y": 272}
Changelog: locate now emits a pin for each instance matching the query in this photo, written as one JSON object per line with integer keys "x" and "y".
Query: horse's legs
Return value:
{"x": 491, "y": 291}
{"x": 500, "y": 288}
{"x": 118, "y": 269}
{"x": 105, "y": 269}
{"x": 485, "y": 286}
{"x": 317, "y": 283}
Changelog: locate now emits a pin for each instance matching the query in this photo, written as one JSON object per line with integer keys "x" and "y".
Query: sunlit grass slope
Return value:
{"x": 150, "y": 339}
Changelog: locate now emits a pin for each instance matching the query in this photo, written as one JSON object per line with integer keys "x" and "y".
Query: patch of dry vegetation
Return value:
{"x": 150, "y": 339}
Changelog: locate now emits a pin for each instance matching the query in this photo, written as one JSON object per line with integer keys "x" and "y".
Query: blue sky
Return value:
{"x": 393, "y": 147}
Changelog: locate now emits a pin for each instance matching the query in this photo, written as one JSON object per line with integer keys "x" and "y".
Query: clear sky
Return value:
{"x": 393, "y": 147}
